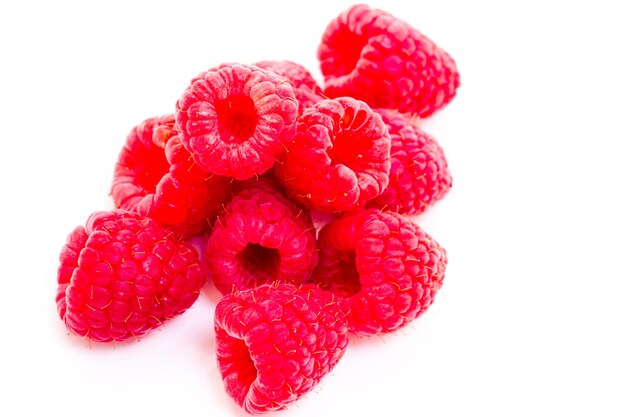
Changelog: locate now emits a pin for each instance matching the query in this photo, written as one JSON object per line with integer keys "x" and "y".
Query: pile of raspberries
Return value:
{"x": 303, "y": 197}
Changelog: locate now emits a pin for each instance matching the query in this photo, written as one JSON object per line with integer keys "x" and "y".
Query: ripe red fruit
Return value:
{"x": 275, "y": 343}
{"x": 373, "y": 56}
{"x": 386, "y": 267}
{"x": 260, "y": 237}
{"x": 339, "y": 159}
{"x": 122, "y": 275}
{"x": 235, "y": 119}
{"x": 155, "y": 176}
{"x": 419, "y": 174}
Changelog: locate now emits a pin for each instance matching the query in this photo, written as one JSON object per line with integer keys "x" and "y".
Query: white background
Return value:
{"x": 531, "y": 318}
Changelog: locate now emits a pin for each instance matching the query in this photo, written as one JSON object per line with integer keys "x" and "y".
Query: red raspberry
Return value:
{"x": 275, "y": 342}
{"x": 419, "y": 175}
{"x": 122, "y": 275}
{"x": 339, "y": 159}
{"x": 386, "y": 267}
{"x": 258, "y": 238}
{"x": 155, "y": 176}
{"x": 306, "y": 89}
{"x": 235, "y": 119}
{"x": 373, "y": 56}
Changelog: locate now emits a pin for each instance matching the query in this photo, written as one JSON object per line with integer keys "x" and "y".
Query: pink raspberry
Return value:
{"x": 375, "y": 57}
{"x": 419, "y": 175}
{"x": 123, "y": 275}
{"x": 339, "y": 159}
{"x": 385, "y": 266}
{"x": 306, "y": 89}
{"x": 235, "y": 119}
{"x": 275, "y": 343}
{"x": 155, "y": 176}
{"x": 260, "y": 237}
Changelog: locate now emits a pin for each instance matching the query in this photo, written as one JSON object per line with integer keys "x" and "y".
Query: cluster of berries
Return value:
{"x": 303, "y": 194}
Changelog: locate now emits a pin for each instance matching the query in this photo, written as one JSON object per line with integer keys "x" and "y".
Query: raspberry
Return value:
{"x": 122, "y": 275}
{"x": 156, "y": 177}
{"x": 306, "y": 89}
{"x": 260, "y": 237}
{"x": 373, "y": 56}
{"x": 235, "y": 119}
{"x": 386, "y": 267}
{"x": 419, "y": 175}
{"x": 275, "y": 342}
{"x": 339, "y": 159}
